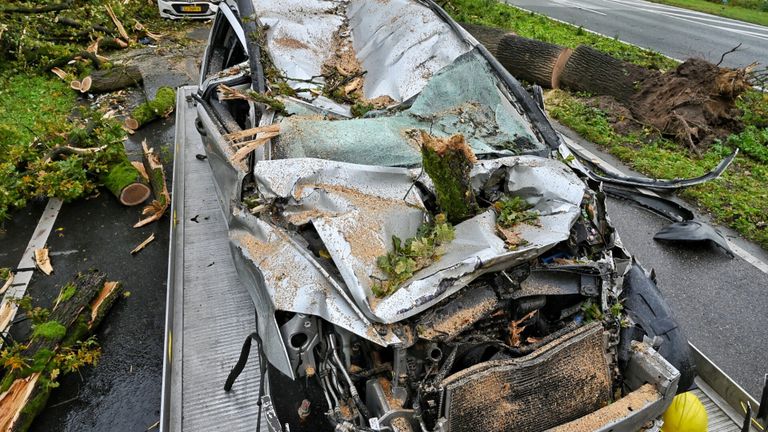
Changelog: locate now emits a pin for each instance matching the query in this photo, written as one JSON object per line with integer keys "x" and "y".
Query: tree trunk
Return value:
{"x": 591, "y": 71}
{"x": 490, "y": 37}
{"x": 529, "y": 60}
{"x": 116, "y": 78}
{"x": 127, "y": 183}
{"x": 448, "y": 162}
{"x": 160, "y": 106}
{"x": 27, "y": 389}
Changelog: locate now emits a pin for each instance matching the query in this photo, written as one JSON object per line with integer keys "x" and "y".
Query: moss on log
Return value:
{"x": 25, "y": 390}
{"x": 160, "y": 106}
{"x": 448, "y": 162}
{"x": 127, "y": 183}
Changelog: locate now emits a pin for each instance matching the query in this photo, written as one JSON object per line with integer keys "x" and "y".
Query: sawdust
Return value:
{"x": 342, "y": 64}
{"x": 632, "y": 402}
{"x": 383, "y": 101}
{"x": 289, "y": 42}
{"x": 459, "y": 320}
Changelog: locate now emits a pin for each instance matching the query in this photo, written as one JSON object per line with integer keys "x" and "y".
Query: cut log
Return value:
{"x": 448, "y": 162}
{"x": 115, "y": 78}
{"x": 490, "y": 37}
{"x": 162, "y": 105}
{"x": 25, "y": 390}
{"x": 127, "y": 183}
{"x": 154, "y": 168}
{"x": 592, "y": 71}
{"x": 529, "y": 60}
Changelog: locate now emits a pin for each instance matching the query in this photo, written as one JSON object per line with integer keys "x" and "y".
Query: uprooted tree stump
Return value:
{"x": 448, "y": 162}
{"x": 32, "y": 369}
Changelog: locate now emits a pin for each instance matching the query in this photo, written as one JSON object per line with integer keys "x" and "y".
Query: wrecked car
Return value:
{"x": 423, "y": 252}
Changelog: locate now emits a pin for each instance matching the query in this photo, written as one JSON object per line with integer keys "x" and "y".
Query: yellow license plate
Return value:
{"x": 192, "y": 8}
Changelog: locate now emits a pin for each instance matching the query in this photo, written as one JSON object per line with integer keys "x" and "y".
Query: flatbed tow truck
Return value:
{"x": 209, "y": 314}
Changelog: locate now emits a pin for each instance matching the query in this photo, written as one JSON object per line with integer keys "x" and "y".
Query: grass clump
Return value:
{"x": 531, "y": 25}
{"x": 738, "y": 199}
{"x": 413, "y": 254}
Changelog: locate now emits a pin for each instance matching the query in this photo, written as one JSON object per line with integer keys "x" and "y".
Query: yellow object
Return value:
{"x": 685, "y": 414}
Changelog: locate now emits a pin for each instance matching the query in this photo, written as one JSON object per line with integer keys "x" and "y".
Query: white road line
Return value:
{"x": 605, "y": 166}
{"x": 579, "y": 6}
{"x": 38, "y": 240}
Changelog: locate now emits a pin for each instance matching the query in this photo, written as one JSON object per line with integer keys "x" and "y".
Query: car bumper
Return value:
{"x": 187, "y": 10}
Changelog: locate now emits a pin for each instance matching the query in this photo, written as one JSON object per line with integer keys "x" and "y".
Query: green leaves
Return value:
{"x": 512, "y": 210}
{"x": 412, "y": 255}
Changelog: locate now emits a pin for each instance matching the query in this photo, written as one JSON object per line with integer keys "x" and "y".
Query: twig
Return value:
{"x": 143, "y": 244}
{"x": 722, "y": 57}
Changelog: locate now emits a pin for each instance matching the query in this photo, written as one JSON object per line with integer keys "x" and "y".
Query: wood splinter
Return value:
{"x": 43, "y": 261}
{"x": 143, "y": 244}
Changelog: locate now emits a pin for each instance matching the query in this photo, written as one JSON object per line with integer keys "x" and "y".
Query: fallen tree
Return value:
{"x": 162, "y": 105}
{"x": 115, "y": 78}
{"x": 694, "y": 104}
{"x": 59, "y": 344}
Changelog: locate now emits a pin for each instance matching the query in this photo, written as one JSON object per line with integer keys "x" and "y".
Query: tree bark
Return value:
{"x": 127, "y": 183}
{"x": 490, "y": 37}
{"x": 160, "y": 106}
{"x": 115, "y": 78}
{"x": 529, "y": 60}
{"x": 28, "y": 388}
{"x": 154, "y": 168}
{"x": 591, "y": 71}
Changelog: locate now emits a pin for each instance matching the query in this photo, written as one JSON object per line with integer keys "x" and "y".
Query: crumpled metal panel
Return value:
{"x": 356, "y": 209}
{"x": 398, "y": 42}
{"x": 299, "y": 36}
{"x": 401, "y": 44}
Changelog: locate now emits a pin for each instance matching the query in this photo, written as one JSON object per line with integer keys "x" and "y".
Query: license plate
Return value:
{"x": 192, "y": 8}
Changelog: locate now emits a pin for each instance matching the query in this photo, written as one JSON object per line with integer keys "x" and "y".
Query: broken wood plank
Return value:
{"x": 143, "y": 244}
{"x": 156, "y": 209}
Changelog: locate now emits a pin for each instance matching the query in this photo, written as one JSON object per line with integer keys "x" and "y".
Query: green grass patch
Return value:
{"x": 738, "y": 199}
{"x": 531, "y": 25}
{"x": 752, "y": 12}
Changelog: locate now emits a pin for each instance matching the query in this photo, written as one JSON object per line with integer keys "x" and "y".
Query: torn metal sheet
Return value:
{"x": 693, "y": 231}
{"x": 400, "y": 46}
{"x": 579, "y": 162}
{"x": 356, "y": 210}
{"x": 656, "y": 204}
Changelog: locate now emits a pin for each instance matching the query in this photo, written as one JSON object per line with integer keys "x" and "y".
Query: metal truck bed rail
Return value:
{"x": 208, "y": 313}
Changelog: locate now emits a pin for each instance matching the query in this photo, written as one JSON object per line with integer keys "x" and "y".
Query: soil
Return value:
{"x": 693, "y": 104}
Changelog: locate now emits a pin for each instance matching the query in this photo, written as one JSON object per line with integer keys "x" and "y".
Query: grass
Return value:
{"x": 535, "y": 26}
{"x": 734, "y": 11}
{"x": 738, "y": 199}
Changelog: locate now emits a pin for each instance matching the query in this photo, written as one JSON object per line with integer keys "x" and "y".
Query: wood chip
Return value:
{"x": 85, "y": 85}
{"x": 60, "y": 73}
{"x": 7, "y": 284}
{"x": 143, "y": 244}
{"x": 131, "y": 123}
{"x": 6, "y": 312}
{"x": 75, "y": 85}
{"x": 118, "y": 24}
{"x": 43, "y": 261}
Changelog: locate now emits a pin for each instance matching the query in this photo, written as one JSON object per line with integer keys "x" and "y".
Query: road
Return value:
{"x": 676, "y": 32}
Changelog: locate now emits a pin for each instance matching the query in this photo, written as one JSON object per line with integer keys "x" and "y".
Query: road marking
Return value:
{"x": 579, "y": 6}
{"x": 66, "y": 252}
{"x": 38, "y": 240}
{"x": 605, "y": 166}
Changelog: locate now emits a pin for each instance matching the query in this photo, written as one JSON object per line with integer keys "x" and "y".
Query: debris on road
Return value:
{"x": 693, "y": 231}
{"x": 143, "y": 244}
{"x": 161, "y": 106}
{"x": 8, "y": 276}
{"x": 154, "y": 169}
{"x": 59, "y": 343}
{"x": 43, "y": 261}
{"x": 115, "y": 78}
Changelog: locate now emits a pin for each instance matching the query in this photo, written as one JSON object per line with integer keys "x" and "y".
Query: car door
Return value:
{"x": 226, "y": 62}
